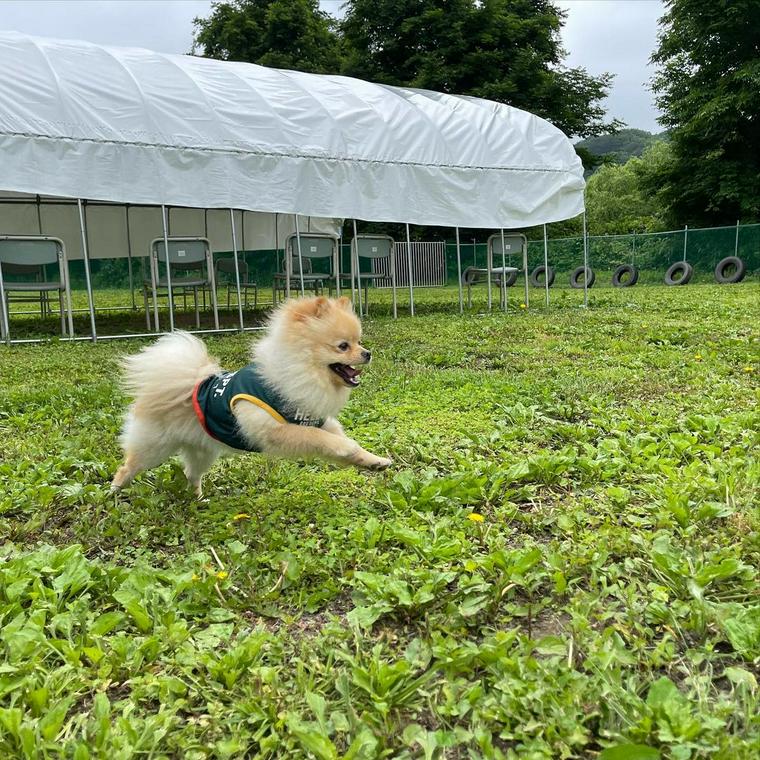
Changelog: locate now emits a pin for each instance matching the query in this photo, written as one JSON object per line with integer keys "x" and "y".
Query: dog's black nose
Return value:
{"x": 366, "y": 355}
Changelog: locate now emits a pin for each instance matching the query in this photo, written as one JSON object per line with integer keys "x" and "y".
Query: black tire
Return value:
{"x": 686, "y": 270}
{"x": 740, "y": 269}
{"x": 623, "y": 269}
{"x": 575, "y": 281}
{"x": 537, "y": 272}
{"x": 510, "y": 279}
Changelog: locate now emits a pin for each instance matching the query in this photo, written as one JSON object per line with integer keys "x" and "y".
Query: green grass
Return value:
{"x": 605, "y": 606}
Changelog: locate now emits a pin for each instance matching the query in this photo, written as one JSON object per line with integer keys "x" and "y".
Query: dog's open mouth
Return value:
{"x": 348, "y": 374}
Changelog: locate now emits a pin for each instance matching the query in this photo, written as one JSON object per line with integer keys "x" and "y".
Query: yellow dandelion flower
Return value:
{"x": 241, "y": 516}
{"x": 475, "y": 517}
{"x": 748, "y": 369}
{"x": 222, "y": 574}
{"x": 196, "y": 577}
{"x": 523, "y": 306}
{"x": 698, "y": 357}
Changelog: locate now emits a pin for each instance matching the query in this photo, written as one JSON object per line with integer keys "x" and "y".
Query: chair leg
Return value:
{"x": 63, "y": 319}
{"x": 197, "y": 312}
{"x": 4, "y": 317}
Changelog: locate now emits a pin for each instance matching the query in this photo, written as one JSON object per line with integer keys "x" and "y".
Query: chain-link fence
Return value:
{"x": 650, "y": 253}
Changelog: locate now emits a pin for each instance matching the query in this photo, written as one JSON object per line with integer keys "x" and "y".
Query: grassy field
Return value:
{"x": 562, "y": 563}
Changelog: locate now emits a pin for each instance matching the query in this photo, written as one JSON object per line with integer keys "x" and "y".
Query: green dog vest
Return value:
{"x": 214, "y": 398}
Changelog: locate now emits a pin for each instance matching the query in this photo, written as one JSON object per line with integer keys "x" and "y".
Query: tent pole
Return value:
{"x": 336, "y": 267}
{"x": 4, "y": 327}
{"x": 503, "y": 270}
{"x": 168, "y": 269}
{"x": 459, "y": 273}
{"x": 357, "y": 268}
{"x": 525, "y": 273}
{"x": 489, "y": 267}
{"x": 86, "y": 255}
{"x": 237, "y": 269}
{"x": 300, "y": 257}
{"x": 409, "y": 266}
{"x": 67, "y": 283}
{"x": 585, "y": 263}
{"x": 129, "y": 261}
{"x": 393, "y": 279}
{"x": 546, "y": 266}
{"x": 277, "y": 261}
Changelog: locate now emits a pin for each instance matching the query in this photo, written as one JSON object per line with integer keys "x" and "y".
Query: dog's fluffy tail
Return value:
{"x": 164, "y": 374}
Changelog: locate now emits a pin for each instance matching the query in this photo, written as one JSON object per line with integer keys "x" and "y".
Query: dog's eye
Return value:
{"x": 343, "y": 346}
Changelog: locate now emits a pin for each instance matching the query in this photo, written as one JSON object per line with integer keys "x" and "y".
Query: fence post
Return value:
{"x": 736, "y": 243}
{"x": 685, "y": 239}
{"x": 585, "y": 262}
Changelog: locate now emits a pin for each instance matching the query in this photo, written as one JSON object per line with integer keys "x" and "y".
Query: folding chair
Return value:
{"x": 227, "y": 267}
{"x": 501, "y": 276}
{"x": 25, "y": 257}
{"x": 191, "y": 269}
{"x": 377, "y": 248}
{"x": 313, "y": 246}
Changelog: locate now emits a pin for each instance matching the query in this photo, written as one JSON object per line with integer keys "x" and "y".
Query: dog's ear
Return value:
{"x": 344, "y": 303}
{"x": 311, "y": 308}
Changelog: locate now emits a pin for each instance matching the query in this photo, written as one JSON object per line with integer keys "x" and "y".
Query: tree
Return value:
{"x": 619, "y": 147}
{"x": 503, "y": 50}
{"x": 707, "y": 88}
{"x": 617, "y": 201}
{"x": 286, "y": 34}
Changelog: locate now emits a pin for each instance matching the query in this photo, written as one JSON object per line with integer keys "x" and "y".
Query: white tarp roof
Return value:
{"x": 134, "y": 126}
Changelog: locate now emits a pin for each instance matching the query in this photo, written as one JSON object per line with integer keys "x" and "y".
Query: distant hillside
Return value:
{"x": 621, "y": 146}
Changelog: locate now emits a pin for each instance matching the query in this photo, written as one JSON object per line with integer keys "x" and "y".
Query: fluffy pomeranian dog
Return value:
{"x": 284, "y": 403}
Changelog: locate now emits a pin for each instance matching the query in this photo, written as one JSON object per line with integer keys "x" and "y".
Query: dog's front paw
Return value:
{"x": 372, "y": 462}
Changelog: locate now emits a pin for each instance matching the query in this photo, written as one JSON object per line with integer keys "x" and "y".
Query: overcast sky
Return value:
{"x": 617, "y": 36}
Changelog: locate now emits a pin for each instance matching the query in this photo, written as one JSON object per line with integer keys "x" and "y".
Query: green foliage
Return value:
{"x": 620, "y": 146}
{"x": 562, "y": 563}
{"x": 617, "y": 201}
{"x": 286, "y": 34}
{"x": 504, "y": 51}
{"x": 707, "y": 87}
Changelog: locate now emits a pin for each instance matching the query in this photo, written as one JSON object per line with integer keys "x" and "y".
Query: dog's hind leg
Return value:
{"x": 196, "y": 461}
{"x": 144, "y": 448}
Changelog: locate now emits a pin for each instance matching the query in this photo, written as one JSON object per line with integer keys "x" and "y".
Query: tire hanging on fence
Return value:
{"x": 686, "y": 270}
{"x": 587, "y": 272}
{"x": 510, "y": 279}
{"x": 625, "y": 269}
{"x": 740, "y": 269}
{"x": 537, "y": 272}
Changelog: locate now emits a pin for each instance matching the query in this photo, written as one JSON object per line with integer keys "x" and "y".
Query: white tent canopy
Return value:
{"x": 128, "y": 125}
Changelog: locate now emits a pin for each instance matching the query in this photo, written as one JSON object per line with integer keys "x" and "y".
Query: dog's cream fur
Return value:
{"x": 303, "y": 338}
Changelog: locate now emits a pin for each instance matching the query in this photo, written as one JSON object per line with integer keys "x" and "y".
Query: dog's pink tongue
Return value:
{"x": 351, "y": 371}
